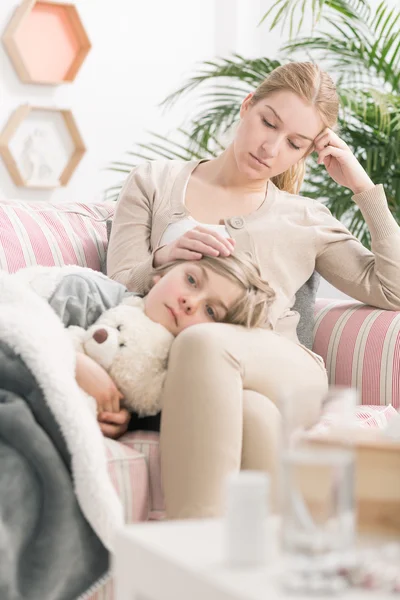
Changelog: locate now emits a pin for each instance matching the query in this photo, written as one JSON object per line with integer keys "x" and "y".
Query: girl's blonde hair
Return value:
{"x": 252, "y": 308}
{"x": 315, "y": 87}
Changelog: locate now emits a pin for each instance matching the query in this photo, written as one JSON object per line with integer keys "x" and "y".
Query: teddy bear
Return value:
{"x": 132, "y": 349}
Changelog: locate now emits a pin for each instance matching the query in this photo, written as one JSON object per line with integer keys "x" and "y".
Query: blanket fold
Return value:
{"x": 58, "y": 508}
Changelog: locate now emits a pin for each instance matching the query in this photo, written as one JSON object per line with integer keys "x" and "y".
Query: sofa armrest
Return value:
{"x": 361, "y": 348}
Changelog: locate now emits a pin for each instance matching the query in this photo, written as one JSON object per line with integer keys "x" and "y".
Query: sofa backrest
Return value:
{"x": 39, "y": 233}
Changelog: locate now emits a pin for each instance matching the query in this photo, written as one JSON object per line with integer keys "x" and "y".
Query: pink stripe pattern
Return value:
{"x": 147, "y": 443}
{"x": 366, "y": 417}
{"x": 359, "y": 344}
{"x": 134, "y": 468}
{"x": 361, "y": 348}
{"x": 38, "y": 233}
{"x": 128, "y": 471}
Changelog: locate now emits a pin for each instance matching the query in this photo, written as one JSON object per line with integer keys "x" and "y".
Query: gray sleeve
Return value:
{"x": 80, "y": 299}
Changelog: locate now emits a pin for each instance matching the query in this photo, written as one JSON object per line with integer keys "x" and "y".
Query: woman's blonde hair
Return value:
{"x": 315, "y": 87}
{"x": 252, "y": 308}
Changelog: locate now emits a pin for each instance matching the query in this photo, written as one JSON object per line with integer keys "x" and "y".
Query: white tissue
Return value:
{"x": 393, "y": 428}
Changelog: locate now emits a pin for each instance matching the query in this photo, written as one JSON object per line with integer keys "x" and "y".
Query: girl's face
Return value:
{"x": 188, "y": 294}
{"x": 274, "y": 134}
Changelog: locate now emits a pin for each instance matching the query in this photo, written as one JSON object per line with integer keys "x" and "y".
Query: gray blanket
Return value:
{"x": 58, "y": 509}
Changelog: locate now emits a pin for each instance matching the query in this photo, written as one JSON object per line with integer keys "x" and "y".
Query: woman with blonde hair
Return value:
{"x": 224, "y": 381}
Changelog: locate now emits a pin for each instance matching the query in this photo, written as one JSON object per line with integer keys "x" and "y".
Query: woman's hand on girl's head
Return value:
{"x": 341, "y": 163}
{"x": 193, "y": 245}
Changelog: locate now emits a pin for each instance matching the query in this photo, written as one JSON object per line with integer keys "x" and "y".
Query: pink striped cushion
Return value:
{"x": 361, "y": 348}
{"x": 38, "y": 233}
{"x": 128, "y": 471}
{"x": 147, "y": 443}
{"x": 134, "y": 468}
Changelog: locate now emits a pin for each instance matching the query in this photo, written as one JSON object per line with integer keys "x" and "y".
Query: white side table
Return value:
{"x": 184, "y": 560}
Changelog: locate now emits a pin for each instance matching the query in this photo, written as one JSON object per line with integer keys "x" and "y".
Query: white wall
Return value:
{"x": 141, "y": 51}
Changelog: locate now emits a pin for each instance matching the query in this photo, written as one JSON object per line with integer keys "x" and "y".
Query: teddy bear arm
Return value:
{"x": 145, "y": 399}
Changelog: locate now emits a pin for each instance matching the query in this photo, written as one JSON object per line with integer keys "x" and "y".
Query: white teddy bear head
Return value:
{"x": 133, "y": 350}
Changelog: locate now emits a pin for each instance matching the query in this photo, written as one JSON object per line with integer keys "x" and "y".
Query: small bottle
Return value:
{"x": 246, "y": 518}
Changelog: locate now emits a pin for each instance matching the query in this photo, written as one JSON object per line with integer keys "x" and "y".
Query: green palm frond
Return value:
{"x": 290, "y": 13}
{"x": 360, "y": 50}
{"x": 371, "y": 104}
{"x": 214, "y": 123}
{"x": 377, "y": 147}
{"x": 248, "y": 72}
{"x": 161, "y": 147}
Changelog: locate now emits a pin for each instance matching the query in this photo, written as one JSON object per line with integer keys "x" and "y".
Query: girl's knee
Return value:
{"x": 199, "y": 340}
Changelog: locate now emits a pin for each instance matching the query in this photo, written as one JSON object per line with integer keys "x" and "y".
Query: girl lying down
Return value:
{"x": 184, "y": 293}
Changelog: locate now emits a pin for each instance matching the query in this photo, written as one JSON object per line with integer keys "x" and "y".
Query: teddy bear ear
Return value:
{"x": 133, "y": 301}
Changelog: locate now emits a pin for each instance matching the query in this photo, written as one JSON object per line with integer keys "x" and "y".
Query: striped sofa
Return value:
{"x": 360, "y": 345}
{"x": 361, "y": 348}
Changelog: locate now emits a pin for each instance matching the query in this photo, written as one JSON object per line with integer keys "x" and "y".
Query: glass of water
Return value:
{"x": 317, "y": 494}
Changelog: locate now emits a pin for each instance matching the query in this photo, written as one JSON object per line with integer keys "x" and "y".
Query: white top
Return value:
{"x": 175, "y": 230}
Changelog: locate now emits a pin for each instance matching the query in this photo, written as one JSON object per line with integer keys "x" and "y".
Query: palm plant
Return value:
{"x": 346, "y": 37}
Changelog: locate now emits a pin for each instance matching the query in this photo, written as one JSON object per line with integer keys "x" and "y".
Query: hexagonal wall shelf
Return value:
{"x": 46, "y": 42}
{"x": 41, "y": 147}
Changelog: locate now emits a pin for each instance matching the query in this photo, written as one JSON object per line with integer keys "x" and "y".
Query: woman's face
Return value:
{"x": 274, "y": 134}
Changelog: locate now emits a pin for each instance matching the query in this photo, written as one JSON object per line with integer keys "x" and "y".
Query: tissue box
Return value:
{"x": 377, "y": 480}
{"x": 377, "y": 485}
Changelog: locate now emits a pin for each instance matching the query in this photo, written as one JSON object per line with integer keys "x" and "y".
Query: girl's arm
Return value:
{"x": 96, "y": 382}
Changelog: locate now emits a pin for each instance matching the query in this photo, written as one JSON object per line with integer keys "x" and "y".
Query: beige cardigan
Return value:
{"x": 288, "y": 236}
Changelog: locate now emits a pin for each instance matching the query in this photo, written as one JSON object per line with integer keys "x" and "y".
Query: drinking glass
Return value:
{"x": 317, "y": 492}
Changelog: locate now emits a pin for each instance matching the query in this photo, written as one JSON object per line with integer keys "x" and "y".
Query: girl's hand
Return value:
{"x": 193, "y": 245}
{"x": 114, "y": 425}
{"x": 341, "y": 163}
{"x": 96, "y": 382}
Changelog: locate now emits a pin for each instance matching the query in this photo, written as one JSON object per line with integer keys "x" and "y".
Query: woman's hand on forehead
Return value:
{"x": 193, "y": 245}
{"x": 340, "y": 162}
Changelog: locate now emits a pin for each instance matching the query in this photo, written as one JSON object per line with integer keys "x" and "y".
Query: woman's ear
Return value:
{"x": 246, "y": 104}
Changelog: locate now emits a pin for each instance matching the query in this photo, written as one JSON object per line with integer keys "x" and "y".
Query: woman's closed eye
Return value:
{"x": 294, "y": 145}
{"x": 268, "y": 124}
